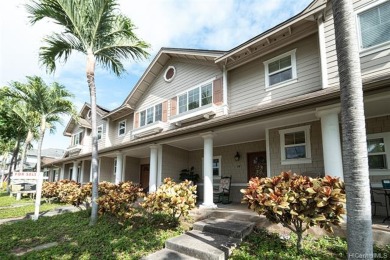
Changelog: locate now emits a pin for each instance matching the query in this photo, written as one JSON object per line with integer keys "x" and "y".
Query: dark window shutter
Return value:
{"x": 217, "y": 92}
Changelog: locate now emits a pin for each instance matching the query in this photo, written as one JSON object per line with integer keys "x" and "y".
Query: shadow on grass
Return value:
{"x": 106, "y": 240}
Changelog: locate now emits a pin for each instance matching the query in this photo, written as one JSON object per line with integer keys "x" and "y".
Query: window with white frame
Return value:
{"x": 100, "y": 132}
{"x": 121, "y": 127}
{"x": 217, "y": 166}
{"x": 374, "y": 25}
{"x": 378, "y": 148}
{"x": 280, "y": 70}
{"x": 115, "y": 166}
{"x": 151, "y": 115}
{"x": 295, "y": 145}
{"x": 77, "y": 138}
{"x": 196, "y": 97}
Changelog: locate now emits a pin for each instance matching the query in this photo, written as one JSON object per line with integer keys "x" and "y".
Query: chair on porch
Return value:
{"x": 222, "y": 193}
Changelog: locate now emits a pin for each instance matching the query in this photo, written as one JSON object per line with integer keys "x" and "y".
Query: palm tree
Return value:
{"x": 96, "y": 29}
{"x": 48, "y": 103}
{"x": 359, "y": 222}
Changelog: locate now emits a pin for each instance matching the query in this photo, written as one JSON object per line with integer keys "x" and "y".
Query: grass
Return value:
{"x": 264, "y": 245}
{"x": 12, "y": 208}
{"x": 77, "y": 240}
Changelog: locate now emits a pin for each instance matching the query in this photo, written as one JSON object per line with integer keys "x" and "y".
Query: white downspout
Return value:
{"x": 225, "y": 88}
{"x": 321, "y": 40}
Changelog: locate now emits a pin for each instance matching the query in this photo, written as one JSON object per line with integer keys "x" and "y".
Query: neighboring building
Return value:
{"x": 274, "y": 101}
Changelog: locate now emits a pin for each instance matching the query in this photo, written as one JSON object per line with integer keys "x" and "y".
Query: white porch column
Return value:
{"x": 153, "y": 168}
{"x": 331, "y": 143}
{"x": 62, "y": 172}
{"x": 82, "y": 171}
{"x": 159, "y": 164}
{"x": 75, "y": 170}
{"x": 119, "y": 167}
{"x": 208, "y": 200}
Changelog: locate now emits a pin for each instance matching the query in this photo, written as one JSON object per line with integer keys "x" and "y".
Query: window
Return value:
{"x": 281, "y": 69}
{"x": 100, "y": 132}
{"x": 374, "y": 25}
{"x": 195, "y": 98}
{"x": 295, "y": 145}
{"x": 378, "y": 146}
{"x": 151, "y": 115}
{"x": 121, "y": 127}
{"x": 169, "y": 74}
{"x": 77, "y": 138}
{"x": 89, "y": 114}
{"x": 115, "y": 166}
{"x": 217, "y": 166}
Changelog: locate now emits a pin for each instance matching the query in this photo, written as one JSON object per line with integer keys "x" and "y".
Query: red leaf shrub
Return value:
{"x": 297, "y": 202}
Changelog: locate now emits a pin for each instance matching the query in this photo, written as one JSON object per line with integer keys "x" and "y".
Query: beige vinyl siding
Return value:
{"x": 101, "y": 122}
{"x": 188, "y": 75}
{"x": 106, "y": 167}
{"x": 371, "y": 64}
{"x": 132, "y": 169}
{"x": 313, "y": 169}
{"x": 114, "y": 126}
{"x": 173, "y": 161}
{"x": 246, "y": 84}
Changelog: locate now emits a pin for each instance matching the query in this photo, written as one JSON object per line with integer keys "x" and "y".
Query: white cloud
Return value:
{"x": 208, "y": 24}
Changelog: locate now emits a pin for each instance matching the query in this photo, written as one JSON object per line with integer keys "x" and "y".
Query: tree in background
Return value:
{"x": 46, "y": 102}
{"x": 98, "y": 30}
{"x": 355, "y": 160}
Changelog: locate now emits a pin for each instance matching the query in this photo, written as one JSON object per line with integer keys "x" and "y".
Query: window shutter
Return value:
{"x": 217, "y": 92}
{"x": 165, "y": 111}
{"x": 136, "y": 120}
{"x": 81, "y": 138}
{"x": 173, "y": 106}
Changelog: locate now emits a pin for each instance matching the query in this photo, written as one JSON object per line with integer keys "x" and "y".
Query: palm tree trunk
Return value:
{"x": 355, "y": 161}
{"x": 13, "y": 159}
{"x": 94, "y": 163}
{"x": 41, "y": 136}
{"x": 24, "y": 149}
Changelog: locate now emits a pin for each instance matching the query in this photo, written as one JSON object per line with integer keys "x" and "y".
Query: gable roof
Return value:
{"x": 82, "y": 121}
{"x": 154, "y": 69}
{"x": 313, "y": 8}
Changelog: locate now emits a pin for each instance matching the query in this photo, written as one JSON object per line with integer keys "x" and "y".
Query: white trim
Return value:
{"x": 115, "y": 166}
{"x": 165, "y": 74}
{"x": 119, "y": 128}
{"x": 101, "y": 135}
{"x": 146, "y": 114}
{"x": 375, "y": 48}
{"x": 306, "y": 130}
{"x": 73, "y": 135}
{"x": 322, "y": 47}
{"x": 386, "y": 139}
{"x": 150, "y": 129}
{"x": 89, "y": 114}
{"x": 193, "y": 114}
{"x": 225, "y": 88}
{"x": 294, "y": 79}
{"x": 204, "y": 83}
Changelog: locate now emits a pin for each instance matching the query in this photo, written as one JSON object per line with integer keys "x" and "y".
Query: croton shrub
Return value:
{"x": 66, "y": 191}
{"x": 174, "y": 199}
{"x": 118, "y": 200}
{"x": 297, "y": 202}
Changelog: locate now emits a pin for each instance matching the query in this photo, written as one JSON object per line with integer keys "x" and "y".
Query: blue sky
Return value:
{"x": 205, "y": 24}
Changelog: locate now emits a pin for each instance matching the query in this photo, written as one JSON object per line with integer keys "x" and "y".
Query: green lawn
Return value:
{"x": 78, "y": 240}
{"x": 263, "y": 245}
{"x": 11, "y": 208}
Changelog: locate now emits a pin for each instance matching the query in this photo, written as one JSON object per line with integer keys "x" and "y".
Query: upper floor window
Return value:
{"x": 281, "y": 69}
{"x": 378, "y": 148}
{"x": 295, "y": 145}
{"x": 151, "y": 115}
{"x": 374, "y": 25}
{"x": 100, "y": 132}
{"x": 197, "y": 97}
{"x": 77, "y": 138}
{"x": 121, "y": 127}
{"x": 169, "y": 74}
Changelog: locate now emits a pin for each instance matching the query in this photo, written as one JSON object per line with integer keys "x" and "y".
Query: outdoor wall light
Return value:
{"x": 237, "y": 157}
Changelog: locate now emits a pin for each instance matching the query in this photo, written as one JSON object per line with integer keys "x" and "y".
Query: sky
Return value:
{"x": 198, "y": 24}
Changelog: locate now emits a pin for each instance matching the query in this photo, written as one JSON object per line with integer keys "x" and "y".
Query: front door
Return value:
{"x": 257, "y": 165}
{"x": 144, "y": 177}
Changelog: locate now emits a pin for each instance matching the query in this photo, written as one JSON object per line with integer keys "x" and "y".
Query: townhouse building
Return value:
{"x": 268, "y": 105}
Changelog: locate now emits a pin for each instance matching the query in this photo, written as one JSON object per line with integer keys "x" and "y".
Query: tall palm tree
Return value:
{"x": 49, "y": 103}
{"x": 96, "y": 29}
{"x": 355, "y": 160}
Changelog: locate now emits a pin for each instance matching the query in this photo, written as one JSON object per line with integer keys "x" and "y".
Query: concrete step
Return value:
{"x": 236, "y": 215}
{"x": 203, "y": 245}
{"x": 166, "y": 254}
{"x": 231, "y": 228}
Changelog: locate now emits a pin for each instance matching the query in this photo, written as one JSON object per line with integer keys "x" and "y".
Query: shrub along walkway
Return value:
{"x": 211, "y": 238}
